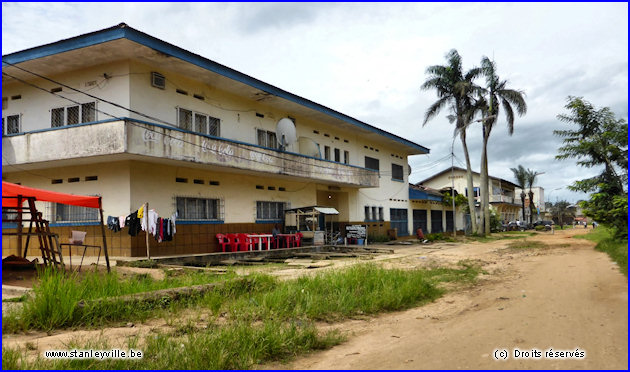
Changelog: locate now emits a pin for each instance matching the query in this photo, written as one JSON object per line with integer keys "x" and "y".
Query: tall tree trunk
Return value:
{"x": 523, "y": 201}
{"x": 471, "y": 194}
{"x": 485, "y": 187}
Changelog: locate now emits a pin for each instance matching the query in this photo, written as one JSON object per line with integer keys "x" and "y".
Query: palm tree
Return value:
{"x": 496, "y": 95}
{"x": 520, "y": 174}
{"x": 455, "y": 89}
{"x": 531, "y": 179}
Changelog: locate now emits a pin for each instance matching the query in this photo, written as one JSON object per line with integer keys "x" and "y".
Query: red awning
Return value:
{"x": 11, "y": 189}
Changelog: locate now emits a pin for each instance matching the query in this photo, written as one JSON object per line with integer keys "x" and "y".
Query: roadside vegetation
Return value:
{"x": 250, "y": 320}
{"x": 606, "y": 241}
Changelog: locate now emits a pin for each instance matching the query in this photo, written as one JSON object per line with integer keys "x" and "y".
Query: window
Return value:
{"x": 337, "y": 155}
{"x": 374, "y": 213}
{"x": 77, "y": 114}
{"x": 266, "y": 138}
{"x": 270, "y": 210}
{"x": 199, "y": 209}
{"x": 13, "y": 124}
{"x": 198, "y": 122}
{"x": 346, "y": 157}
{"x": 476, "y": 191}
{"x": 71, "y": 213}
{"x": 371, "y": 163}
{"x": 327, "y": 152}
{"x": 397, "y": 172}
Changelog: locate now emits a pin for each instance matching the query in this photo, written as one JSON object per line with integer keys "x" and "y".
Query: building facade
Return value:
{"x": 502, "y": 192}
{"x": 539, "y": 202}
{"x": 123, "y": 115}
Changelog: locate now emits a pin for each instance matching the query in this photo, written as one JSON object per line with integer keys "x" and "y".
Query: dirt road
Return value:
{"x": 564, "y": 298}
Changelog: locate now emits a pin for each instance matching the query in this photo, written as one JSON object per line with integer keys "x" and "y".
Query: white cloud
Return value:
{"x": 368, "y": 60}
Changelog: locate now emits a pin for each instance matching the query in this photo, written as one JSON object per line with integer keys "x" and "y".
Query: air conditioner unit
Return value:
{"x": 158, "y": 80}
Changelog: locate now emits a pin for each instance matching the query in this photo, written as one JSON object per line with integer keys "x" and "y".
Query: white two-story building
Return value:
{"x": 502, "y": 192}
{"x": 134, "y": 119}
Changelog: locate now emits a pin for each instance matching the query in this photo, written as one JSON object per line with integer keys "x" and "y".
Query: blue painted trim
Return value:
{"x": 124, "y": 31}
{"x": 396, "y": 180}
{"x": 198, "y": 222}
{"x": 7, "y": 225}
{"x": 268, "y": 221}
{"x": 60, "y": 224}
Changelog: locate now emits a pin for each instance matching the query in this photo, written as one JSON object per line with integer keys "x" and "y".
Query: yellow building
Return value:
{"x": 121, "y": 114}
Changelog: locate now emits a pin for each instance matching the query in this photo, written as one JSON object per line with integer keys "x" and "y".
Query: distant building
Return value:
{"x": 539, "y": 202}
{"x": 502, "y": 195}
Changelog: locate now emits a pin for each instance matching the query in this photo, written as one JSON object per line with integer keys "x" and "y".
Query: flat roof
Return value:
{"x": 123, "y": 31}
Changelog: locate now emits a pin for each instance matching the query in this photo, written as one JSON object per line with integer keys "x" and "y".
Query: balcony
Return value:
{"x": 501, "y": 199}
{"x": 128, "y": 139}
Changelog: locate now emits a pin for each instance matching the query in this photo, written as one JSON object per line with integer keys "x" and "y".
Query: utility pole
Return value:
{"x": 453, "y": 189}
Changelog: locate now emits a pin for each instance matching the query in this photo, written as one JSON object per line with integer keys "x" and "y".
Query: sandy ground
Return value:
{"x": 564, "y": 297}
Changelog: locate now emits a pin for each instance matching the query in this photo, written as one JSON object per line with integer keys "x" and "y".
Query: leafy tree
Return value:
{"x": 600, "y": 140}
{"x": 496, "y": 95}
{"x": 561, "y": 210}
{"x": 460, "y": 200}
{"x": 520, "y": 174}
{"x": 455, "y": 89}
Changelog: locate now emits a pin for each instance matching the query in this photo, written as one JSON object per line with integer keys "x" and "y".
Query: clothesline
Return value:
{"x": 162, "y": 229}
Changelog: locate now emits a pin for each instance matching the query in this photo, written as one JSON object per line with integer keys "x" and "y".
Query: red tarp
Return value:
{"x": 11, "y": 189}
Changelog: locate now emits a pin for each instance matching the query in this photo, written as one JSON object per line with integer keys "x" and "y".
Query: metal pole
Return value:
{"x": 19, "y": 225}
{"x": 453, "y": 189}
{"x": 146, "y": 231}
{"x": 100, "y": 209}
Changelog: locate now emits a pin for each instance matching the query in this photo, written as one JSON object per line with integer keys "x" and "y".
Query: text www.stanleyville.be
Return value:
{"x": 504, "y": 354}
{"x": 93, "y": 354}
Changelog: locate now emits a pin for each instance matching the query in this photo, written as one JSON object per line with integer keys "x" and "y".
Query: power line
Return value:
{"x": 305, "y": 172}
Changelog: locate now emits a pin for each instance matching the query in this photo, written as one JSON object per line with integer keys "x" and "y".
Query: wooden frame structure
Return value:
{"x": 13, "y": 198}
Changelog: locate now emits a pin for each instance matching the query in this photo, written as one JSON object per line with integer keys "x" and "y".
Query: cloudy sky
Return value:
{"x": 368, "y": 61}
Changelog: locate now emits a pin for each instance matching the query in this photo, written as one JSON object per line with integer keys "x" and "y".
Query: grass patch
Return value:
{"x": 526, "y": 244}
{"x": 616, "y": 249}
{"x": 264, "y": 319}
{"x": 332, "y": 295}
{"x": 238, "y": 345}
{"x": 54, "y": 302}
{"x": 505, "y": 235}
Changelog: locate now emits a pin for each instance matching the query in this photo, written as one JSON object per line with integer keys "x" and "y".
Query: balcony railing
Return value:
{"x": 127, "y": 137}
{"x": 501, "y": 199}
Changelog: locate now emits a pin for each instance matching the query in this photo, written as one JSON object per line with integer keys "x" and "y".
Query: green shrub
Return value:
{"x": 540, "y": 228}
{"x": 378, "y": 238}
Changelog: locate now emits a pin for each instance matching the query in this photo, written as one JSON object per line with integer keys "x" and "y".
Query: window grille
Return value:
{"x": 13, "y": 124}
{"x": 198, "y": 122}
{"x": 266, "y": 138}
{"x": 57, "y": 117}
{"x": 397, "y": 172}
{"x": 83, "y": 113}
{"x": 266, "y": 210}
{"x": 199, "y": 209}
{"x": 371, "y": 163}
{"x": 57, "y": 212}
{"x": 72, "y": 114}
{"x": 185, "y": 119}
